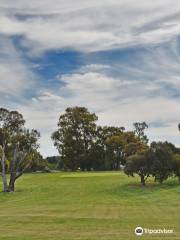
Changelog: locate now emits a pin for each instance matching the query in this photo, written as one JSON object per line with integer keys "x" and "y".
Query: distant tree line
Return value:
{"x": 84, "y": 146}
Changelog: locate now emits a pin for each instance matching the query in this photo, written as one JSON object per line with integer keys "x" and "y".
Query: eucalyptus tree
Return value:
{"x": 139, "y": 164}
{"x": 158, "y": 161}
{"x": 16, "y": 143}
{"x": 103, "y": 151}
{"x": 11, "y": 123}
{"x": 162, "y": 158}
{"x": 124, "y": 145}
{"x": 139, "y": 130}
{"x": 24, "y": 146}
{"x": 74, "y": 137}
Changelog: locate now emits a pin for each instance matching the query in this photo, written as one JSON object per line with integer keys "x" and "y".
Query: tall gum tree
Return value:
{"x": 16, "y": 143}
{"x": 74, "y": 137}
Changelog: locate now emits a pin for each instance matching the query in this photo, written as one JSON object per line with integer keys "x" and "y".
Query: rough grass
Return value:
{"x": 88, "y": 206}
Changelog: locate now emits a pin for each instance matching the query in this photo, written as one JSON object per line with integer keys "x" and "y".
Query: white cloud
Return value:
{"x": 15, "y": 74}
{"x": 90, "y": 25}
{"x": 116, "y": 101}
{"x": 143, "y": 88}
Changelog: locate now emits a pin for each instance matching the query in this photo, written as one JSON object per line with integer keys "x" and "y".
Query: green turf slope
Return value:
{"x": 88, "y": 206}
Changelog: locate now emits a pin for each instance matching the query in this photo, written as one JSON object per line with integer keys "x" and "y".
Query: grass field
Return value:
{"x": 88, "y": 206}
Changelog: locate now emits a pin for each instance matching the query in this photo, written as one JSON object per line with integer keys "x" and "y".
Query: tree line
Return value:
{"x": 83, "y": 145}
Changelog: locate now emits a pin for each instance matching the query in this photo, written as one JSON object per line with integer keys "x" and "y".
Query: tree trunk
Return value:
{"x": 3, "y": 172}
{"x": 117, "y": 164}
{"x": 142, "y": 180}
{"x": 12, "y": 180}
{"x": 11, "y": 186}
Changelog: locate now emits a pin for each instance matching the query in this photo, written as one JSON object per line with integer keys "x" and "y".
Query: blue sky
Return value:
{"x": 120, "y": 59}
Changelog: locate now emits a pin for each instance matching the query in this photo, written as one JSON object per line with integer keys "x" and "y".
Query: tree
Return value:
{"x": 157, "y": 161}
{"x": 179, "y": 126}
{"x": 134, "y": 145}
{"x": 139, "y": 164}
{"x": 11, "y": 123}
{"x": 23, "y": 147}
{"x": 176, "y": 166}
{"x": 55, "y": 163}
{"x": 74, "y": 137}
{"x": 102, "y": 152}
{"x": 162, "y": 158}
{"x": 173, "y": 148}
{"x": 16, "y": 144}
{"x": 117, "y": 146}
{"x": 123, "y": 145}
{"x": 140, "y": 127}
{"x": 37, "y": 162}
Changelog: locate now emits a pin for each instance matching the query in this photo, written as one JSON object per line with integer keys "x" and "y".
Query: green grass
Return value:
{"x": 88, "y": 206}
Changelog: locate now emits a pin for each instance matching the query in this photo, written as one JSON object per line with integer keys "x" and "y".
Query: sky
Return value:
{"x": 118, "y": 58}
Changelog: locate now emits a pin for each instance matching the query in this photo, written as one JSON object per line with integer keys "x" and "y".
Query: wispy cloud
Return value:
{"x": 129, "y": 71}
{"x": 16, "y": 75}
{"x": 89, "y": 25}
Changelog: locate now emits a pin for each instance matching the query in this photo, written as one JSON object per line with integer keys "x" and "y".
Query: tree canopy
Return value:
{"x": 74, "y": 137}
{"x": 84, "y": 145}
{"x": 16, "y": 145}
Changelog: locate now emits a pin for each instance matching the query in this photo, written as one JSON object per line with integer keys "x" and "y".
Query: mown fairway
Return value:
{"x": 87, "y": 206}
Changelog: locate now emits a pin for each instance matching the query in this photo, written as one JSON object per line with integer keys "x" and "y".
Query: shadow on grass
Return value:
{"x": 155, "y": 185}
{"x": 136, "y": 189}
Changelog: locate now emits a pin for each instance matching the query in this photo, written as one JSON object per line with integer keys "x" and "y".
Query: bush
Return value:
{"x": 158, "y": 161}
{"x": 138, "y": 164}
{"x": 162, "y": 159}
